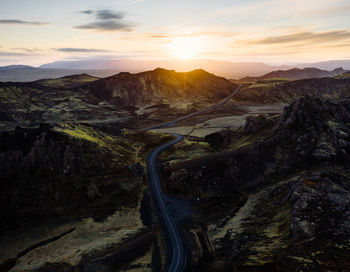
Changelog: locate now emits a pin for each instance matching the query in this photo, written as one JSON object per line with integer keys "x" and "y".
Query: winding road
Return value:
{"x": 179, "y": 256}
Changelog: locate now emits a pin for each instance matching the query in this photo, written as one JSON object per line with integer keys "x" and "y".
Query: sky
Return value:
{"x": 34, "y": 32}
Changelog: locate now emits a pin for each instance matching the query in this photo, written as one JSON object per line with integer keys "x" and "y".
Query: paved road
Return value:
{"x": 179, "y": 255}
{"x": 177, "y": 246}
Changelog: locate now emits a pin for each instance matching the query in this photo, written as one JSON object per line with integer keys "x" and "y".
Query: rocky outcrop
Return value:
{"x": 219, "y": 139}
{"x": 254, "y": 124}
{"x": 64, "y": 171}
{"x": 281, "y": 193}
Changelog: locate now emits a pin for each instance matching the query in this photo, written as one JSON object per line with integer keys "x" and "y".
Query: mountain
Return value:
{"x": 16, "y": 67}
{"x": 160, "y": 85}
{"x": 222, "y": 68}
{"x": 326, "y": 65}
{"x": 15, "y": 73}
{"x": 296, "y": 74}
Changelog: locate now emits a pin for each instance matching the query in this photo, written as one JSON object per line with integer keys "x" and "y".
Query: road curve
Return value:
{"x": 177, "y": 247}
{"x": 179, "y": 257}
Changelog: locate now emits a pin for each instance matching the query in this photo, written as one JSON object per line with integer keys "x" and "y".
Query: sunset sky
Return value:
{"x": 273, "y": 31}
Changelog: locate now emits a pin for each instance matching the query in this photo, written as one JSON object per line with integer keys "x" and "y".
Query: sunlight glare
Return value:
{"x": 185, "y": 47}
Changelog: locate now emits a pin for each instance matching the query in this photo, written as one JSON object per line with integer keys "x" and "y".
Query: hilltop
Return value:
{"x": 296, "y": 74}
{"x": 70, "y": 81}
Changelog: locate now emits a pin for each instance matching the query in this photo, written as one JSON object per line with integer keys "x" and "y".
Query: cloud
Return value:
{"x": 159, "y": 36}
{"x": 89, "y": 11}
{"x": 80, "y": 50}
{"x": 106, "y": 14}
{"x": 10, "y": 54}
{"x": 131, "y": 2}
{"x": 107, "y": 26}
{"x": 107, "y": 20}
{"x": 335, "y": 9}
{"x": 20, "y": 22}
{"x": 193, "y": 34}
{"x": 27, "y": 50}
{"x": 305, "y": 36}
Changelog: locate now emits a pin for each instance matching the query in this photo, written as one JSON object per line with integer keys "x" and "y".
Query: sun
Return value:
{"x": 185, "y": 47}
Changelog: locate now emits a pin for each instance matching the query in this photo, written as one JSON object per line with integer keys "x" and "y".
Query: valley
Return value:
{"x": 259, "y": 183}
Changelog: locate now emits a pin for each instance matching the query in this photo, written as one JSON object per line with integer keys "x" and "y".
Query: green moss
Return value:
{"x": 343, "y": 76}
{"x": 68, "y": 81}
{"x": 121, "y": 147}
{"x": 275, "y": 80}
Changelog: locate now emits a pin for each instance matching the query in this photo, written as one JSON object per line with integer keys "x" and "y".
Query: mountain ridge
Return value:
{"x": 160, "y": 84}
{"x": 297, "y": 74}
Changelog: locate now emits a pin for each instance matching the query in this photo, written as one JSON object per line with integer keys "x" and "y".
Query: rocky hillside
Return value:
{"x": 30, "y": 104}
{"x": 296, "y": 74}
{"x": 287, "y": 92}
{"x": 71, "y": 199}
{"x": 275, "y": 196}
{"x": 160, "y": 86}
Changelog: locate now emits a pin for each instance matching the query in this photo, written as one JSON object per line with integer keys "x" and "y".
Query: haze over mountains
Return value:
{"x": 222, "y": 68}
{"x": 107, "y": 67}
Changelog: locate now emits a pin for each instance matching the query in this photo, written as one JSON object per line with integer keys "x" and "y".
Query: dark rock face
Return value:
{"x": 319, "y": 128}
{"x": 289, "y": 190}
{"x": 254, "y": 124}
{"x": 137, "y": 169}
{"x": 219, "y": 139}
{"x": 46, "y": 173}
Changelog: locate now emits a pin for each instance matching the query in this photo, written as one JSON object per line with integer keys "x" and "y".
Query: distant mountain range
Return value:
{"x": 22, "y": 73}
{"x": 326, "y": 65}
{"x": 108, "y": 67}
{"x": 222, "y": 68}
{"x": 296, "y": 74}
{"x": 17, "y": 67}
